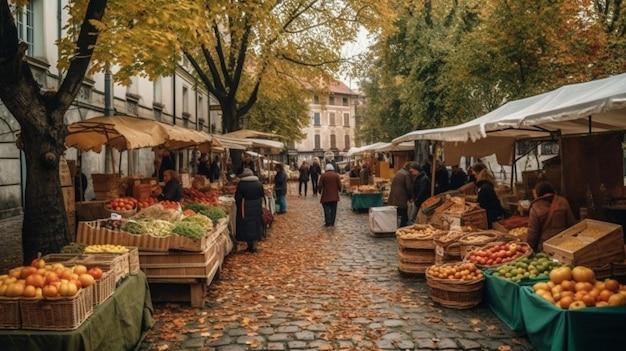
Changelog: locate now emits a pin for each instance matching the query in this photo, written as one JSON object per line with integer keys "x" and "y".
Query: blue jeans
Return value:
{"x": 281, "y": 201}
{"x": 330, "y": 213}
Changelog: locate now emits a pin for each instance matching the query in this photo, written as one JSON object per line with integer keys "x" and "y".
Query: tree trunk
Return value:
{"x": 45, "y": 221}
{"x": 229, "y": 117}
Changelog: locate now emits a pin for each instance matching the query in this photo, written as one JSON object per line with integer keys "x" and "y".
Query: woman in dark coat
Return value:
{"x": 303, "y": 178}
{"x": 315, "y": 171}
{"x": 487, "y": 197}
{"x": 248, "y": 197}
{"x": 280, "y": 187}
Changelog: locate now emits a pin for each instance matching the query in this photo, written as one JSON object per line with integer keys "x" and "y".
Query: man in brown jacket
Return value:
{"x": 401, "y": 189}
{"x": 329, "y": 185}
{"x": 550, "y": 214}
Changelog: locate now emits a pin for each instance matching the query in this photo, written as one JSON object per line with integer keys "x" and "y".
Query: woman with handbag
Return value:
{"x": 249, "y": 198}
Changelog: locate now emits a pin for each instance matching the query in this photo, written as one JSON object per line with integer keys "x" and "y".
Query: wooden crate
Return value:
{"x": 91, "y": 233}
{"x": 10, "y": 313}
{"x": 416, "y": 256}
{"x": 174, "y": 258}
{"x": 413, "y": 268}
{"x": 107, "y": 195}
{"x": 91, "y": 210}
{"x": 181, "y": 270}
{"x": 105, "y": 182}
{"x": 188, "y": 290}
{"x": 183, "y": 243}
{"x": 57, "y": 314}
{"x": 590, "y": 242}
{"x": 142, "y": 192}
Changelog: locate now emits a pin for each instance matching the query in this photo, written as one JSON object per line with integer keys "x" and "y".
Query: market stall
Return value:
{"x": 365, "y": 197}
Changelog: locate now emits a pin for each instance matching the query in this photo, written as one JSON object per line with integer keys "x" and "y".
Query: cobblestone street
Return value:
{"x": 323, "y": 289}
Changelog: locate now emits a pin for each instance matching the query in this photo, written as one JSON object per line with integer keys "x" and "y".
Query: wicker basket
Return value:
{"x": 426, "y": 243}
{"x": 57, "y": 314}
{"x": 133, "y": 260}
{"x": 104, "y": 287}
{"x": 65, "y": 259}
{"x": 447, "y": 247}
{"x": 116, "y": 263}
{"x": 467, "y": 245}
{"x": 124, "y": 214}
{"x": 10, "y": 313}
{"x": 93, "y": 232}
{"x": 416, "y": 256}
{"x": 527, "y": 254}
{"x": 413, "y": 268}
{"x": 457, "y": 294}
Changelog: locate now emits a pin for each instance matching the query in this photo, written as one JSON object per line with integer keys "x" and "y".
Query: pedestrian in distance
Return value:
{"x": 329, "y": 186}
{"x": 303, "y": 178}
{"x": 401, "y": 192}
{"x": 214, "y": 169}
{"x": 315, "y": 171}
{"x": 248, "y": 198}
{"x": 280, "y": 187}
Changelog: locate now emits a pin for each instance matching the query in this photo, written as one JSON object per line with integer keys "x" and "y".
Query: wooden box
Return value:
{"x": 91, "y": 210}
{"x": 590, "y": 242}
{"x": 142, "y": 192}
{"x": 90, "y": 233}
{"x": 57, "y": 314}
{"x": 179, "y": 264}
{"x": 105, "y": 182}
{"x": 107, "y": 195}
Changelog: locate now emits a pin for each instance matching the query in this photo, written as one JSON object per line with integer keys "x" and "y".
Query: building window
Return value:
{"x": 333, "y": 141}
{"x": 331, "y": 100}
{"x": 25, "y": 22}
{"x": 345, "y": 101}
{"x": 158, "y": 90}
{"x": 185, "y": 100}
{"x": 316, "y": 99}
{"x": 346, "y": 140}
{"x": 316, "y": 119}
{"x": 346, "y": 119}
{"x": 331, "y": 119}
{"x": 318, "y": 141}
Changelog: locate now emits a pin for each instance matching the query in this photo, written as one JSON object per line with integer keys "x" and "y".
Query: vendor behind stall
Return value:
{"x": 173, "y": 190}
{"x": 487, "y": 197}
{"x": 550, "y": 214}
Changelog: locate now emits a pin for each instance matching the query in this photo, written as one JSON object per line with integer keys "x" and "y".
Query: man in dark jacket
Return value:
{"x": 303, "y": 178}
{"x": 329, "y": 186}
{"x": 315, "y": 171}
{"x": 249, "y": 199}
{"x": 458, "y": 178}
{"x": 421, "y": 185}
{"x": 214, "y": 169}
{"x": 280, "y": 187}
{"x": 401, "y": 192}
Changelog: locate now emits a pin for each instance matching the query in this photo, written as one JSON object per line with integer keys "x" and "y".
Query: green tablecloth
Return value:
{"x": 555, "y": 329}
{"x": 361, "y": 201}
{"x": 117, "y": 324}
{"x": 503, "y": 298}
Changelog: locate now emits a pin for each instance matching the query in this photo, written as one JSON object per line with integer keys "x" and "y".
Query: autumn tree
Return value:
{"x": 40, "y": 113}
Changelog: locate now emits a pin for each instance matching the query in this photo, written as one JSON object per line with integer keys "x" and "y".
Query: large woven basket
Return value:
{"x": 58, "y": 314}
{"x": 9, "y": 313}
{"x": 413, "y": 268}
{"x": 468, "y": 245}
{"x": 528, "y": 253}
{"x": 416, "y": 256}
{"x": 104, "y": 287}
{"x": 425, "y": 243}
{"x": 456, "y": 294}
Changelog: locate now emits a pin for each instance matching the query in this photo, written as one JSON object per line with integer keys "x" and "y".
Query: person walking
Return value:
{"x": 214, "y": 169}
{"x": 303, "y": 178}
{"x": 550, "y": 214}
{"x": 401, "y": 192}
{"x": 280, "y": 187}
{"x": 315, "y": 171}
{"x": 329, "y": 186}
{"x": 248, "y": 198}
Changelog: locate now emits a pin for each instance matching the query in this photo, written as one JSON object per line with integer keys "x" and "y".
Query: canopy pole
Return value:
{"x": 119, "y": 168}
{"x": 112, "y": 160}
{"x": 590, "y": 128}
{"x": 434, "y": 168}
{"x": 513, "y": 168}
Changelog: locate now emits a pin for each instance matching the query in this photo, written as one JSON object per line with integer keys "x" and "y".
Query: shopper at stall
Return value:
{"x": 365, "y": 174}
{"x": 550, "y": 214}
{"x": 280, "y": 187}
{"x": 401, "y": 192}
{"x": 249, "y": 200}
{"x": 355, "y": 171}
{"x": 315, "y": 171}
{"x": 486, "y": 193}
{"x": 248, "y": 163}
{"x": 303, "y": 178}
{"x": 329, "y": 186}
{"x": 167, "y": 162}
{"x": 172, "y": 190}
{"x": 442, "y": 179}
{"x": 458, "y": 177}
{"x": 214, "y": 169}
{"x": 421, "y": 185}
{"x": 203, "y": 165}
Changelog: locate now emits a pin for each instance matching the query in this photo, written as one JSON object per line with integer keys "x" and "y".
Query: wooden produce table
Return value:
{"x": 117, "y": 324}
{"x": 364, "y": 201}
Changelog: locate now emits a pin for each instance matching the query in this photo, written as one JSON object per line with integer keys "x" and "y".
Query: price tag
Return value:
{"x": 116, "y": 216}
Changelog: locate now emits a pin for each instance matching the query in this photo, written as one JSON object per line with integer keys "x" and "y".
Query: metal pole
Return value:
{"x": 434, "y": 168}
{"x": 590, "y": 127}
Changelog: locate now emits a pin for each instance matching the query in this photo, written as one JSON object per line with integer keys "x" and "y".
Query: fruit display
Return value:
{"x": 519, "y": 232}
{"x": 122, "y": 204}
{"x": 537, "y": 266}
{"x": 498, "y": 253}
{"x": 192, "y": 230}
{"x": 420, "y": 232}
{"x": 147, "y": 203}
{"x": 578, "y": 288}
{"x": 112, "y": 224}
{"x": 463, "y": 271}
{"x": 106, "y": 248}
{"x": 170, "y": 205}
{"x": 44, "y": 281}
{"x": 367, "y": 189}
{"x": 201, "y": 197}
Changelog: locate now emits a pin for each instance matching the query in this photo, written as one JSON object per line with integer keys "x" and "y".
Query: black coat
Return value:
{"x": 214, "y": 171}
{"x": 280, "y": 183}
{"x": 315, "y": 171}
{"x": 172, "y": 191}
{"x": 304, "y": 174}
{"x": 421, "y": 189}
{"x": 488, "y": 200}
{"x": 457, "y": 179}
{"x": 249, "y": 199}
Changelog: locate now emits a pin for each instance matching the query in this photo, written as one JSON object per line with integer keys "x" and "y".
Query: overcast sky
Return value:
{"x": 354, "y": 48}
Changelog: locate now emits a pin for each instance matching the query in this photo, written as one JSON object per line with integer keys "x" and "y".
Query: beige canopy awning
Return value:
{"x": 119, "y": 132}
{"x": 247, "y": 133}
{"x": 124, "y": 133}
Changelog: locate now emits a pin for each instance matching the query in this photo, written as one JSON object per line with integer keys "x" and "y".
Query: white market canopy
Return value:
{"x": 390, "y": 147}
{"x": 364, "y": 149}
{"x": 590, "y": 107}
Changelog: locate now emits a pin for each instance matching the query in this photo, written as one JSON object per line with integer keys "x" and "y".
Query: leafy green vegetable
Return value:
{"x": 189, "y": 229}
{"x": 134, "y": 227}
{"x": 202, "y": 220}
{"x": 214, "y": 213}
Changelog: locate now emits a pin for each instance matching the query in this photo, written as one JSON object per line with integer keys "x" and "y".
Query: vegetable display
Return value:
{"x": 158, "y": 228}
{"x": 188, "y": 229}
{"x": 214, "y": 213}
{"x": 134, "y": 227}
{"x": 204, "y": 221}
{"x": 158, "y": 212}
{"x": 536, "y": 267}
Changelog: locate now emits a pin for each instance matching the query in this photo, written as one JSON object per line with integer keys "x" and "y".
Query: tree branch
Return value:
{"x": 203, "y": 77}
{"x": 220, "y": 53}
{"x": 87, "y": 39}
{"x": 219, "y": 85}
{"x": 243, "y": 110}
{"x": 308, "y": 64}
{"x": 241, "y": 58}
